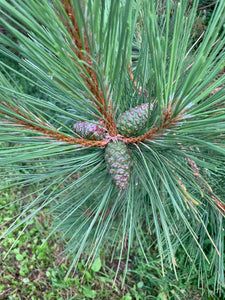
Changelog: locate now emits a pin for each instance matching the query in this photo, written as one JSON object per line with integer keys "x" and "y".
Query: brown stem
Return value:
{"x": 206, "y": 6}
{"x": 146, "y": 136}
{"x": 156, "y": 132}
{"x": 90, "y": 75}
{"x": 65, "y": 138}
{"x": 48, "y": 131}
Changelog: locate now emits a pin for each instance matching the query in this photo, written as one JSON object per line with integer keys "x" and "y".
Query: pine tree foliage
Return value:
{"x": 93, "y": 62}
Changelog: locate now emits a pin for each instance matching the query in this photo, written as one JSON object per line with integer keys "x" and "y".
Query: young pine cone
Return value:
{"x": 118, "y": 162}
{"x": 133, "y": 120}
{"x": 89, "y": 130}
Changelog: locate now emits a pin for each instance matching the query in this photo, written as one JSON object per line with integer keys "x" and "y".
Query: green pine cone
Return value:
{"x": 133, "y": 120}
{"x": 118, "y": 162}
{"x": 90, "y": 131}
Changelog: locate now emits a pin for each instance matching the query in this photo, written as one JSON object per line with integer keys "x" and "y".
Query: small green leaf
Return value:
{"x": 88, "y": 292}
{"x": 41, "y": 255}
{"x": 105, "y": 279}
{"x": 26, "y": 280}
{"x": 127, "y": 297}
{"x": 22, "y": 273}
{"x": 162, "y": 296}
{"x": 48, "y": 274}
{"x": 80, "y": 266}
{"x": 19, "y": 257}
{"x": 140, "y": 284}
{"x": 97, "y": 264}
{"x": 16, "y": 250}
{"x": 87, "y": 275}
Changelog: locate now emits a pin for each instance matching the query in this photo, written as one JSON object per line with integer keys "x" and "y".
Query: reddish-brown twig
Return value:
{"x": 82, "y": 50}
{"x": 23, "y": 119}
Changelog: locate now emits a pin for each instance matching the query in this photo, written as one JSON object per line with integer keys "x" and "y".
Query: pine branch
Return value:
{"x": 38, "y": 125}
{"x": 83, "y": 52}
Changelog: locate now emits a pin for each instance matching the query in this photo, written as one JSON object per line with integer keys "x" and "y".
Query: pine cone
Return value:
{"x": 133, "y": 120}
{"x": 118, "y": 162}
{"x": 89, "y": 130}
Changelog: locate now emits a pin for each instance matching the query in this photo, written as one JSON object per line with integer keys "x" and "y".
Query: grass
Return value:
{"x": 33, "y": 269}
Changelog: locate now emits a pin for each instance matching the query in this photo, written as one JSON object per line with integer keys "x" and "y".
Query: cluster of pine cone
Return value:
{"x": 117, "y": 157}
